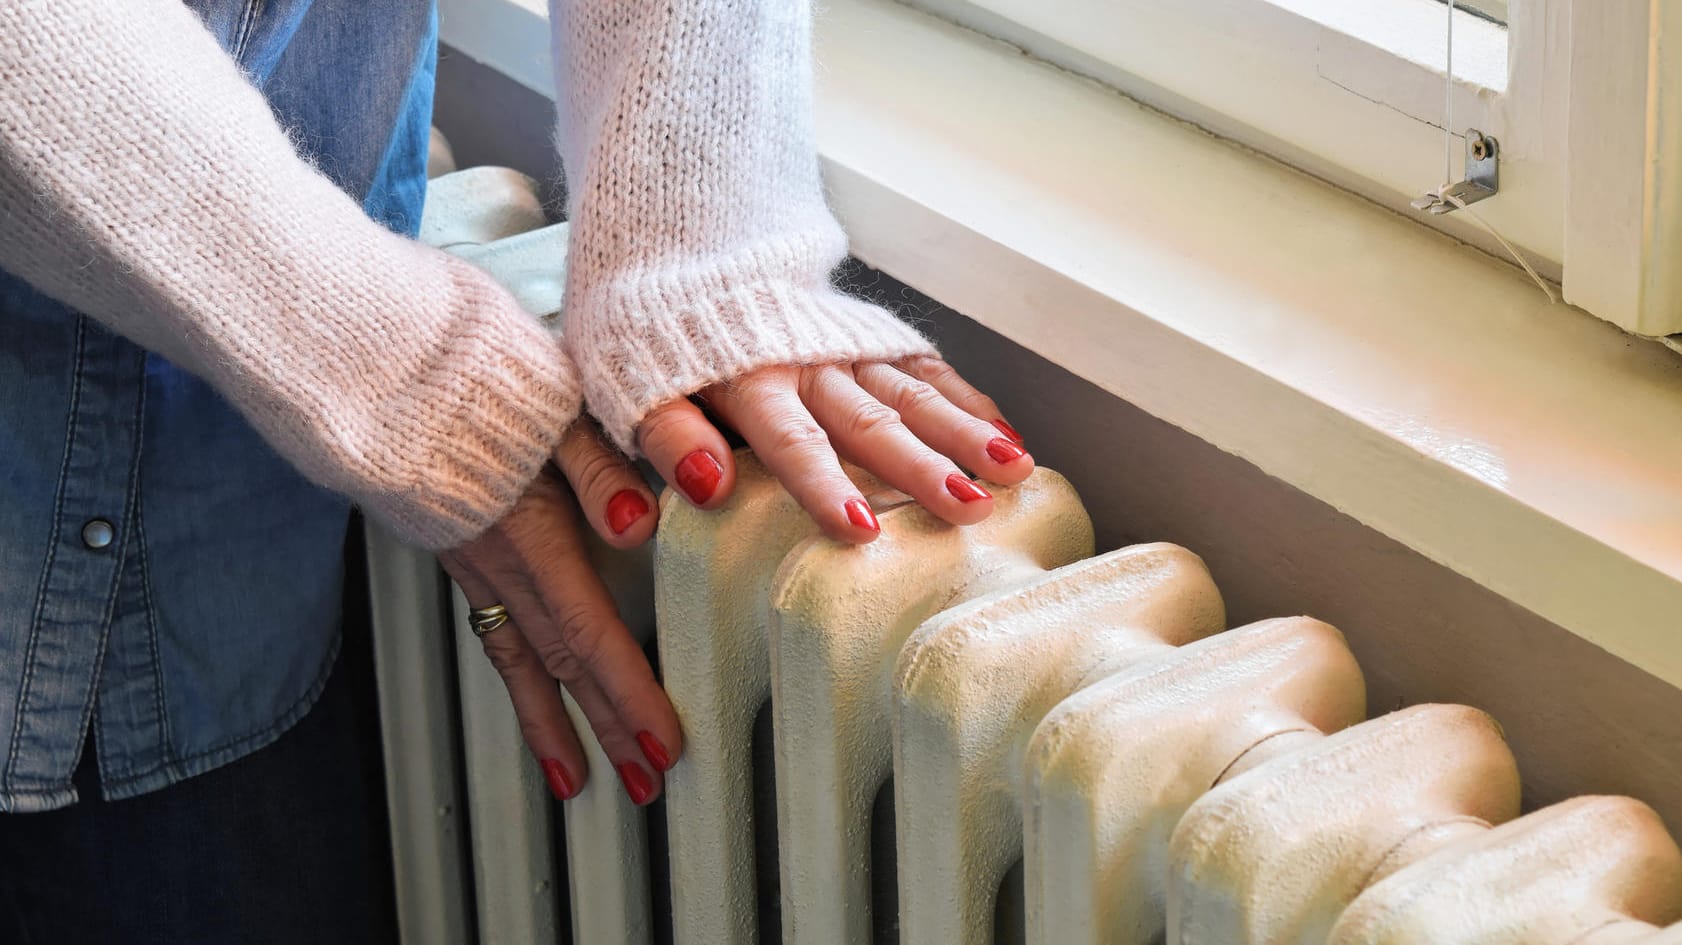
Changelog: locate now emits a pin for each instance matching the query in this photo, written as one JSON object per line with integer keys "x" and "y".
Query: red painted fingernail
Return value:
{"x": 1004, "y": 451}
{"x": 560, "y": 784}
{"x": 964, "y": 490}
{"x": 637, "y": 783}
{"x": 698, "y": 475}
{"x": 1008, "y": 430}
{"x": 654, "y": 752}
{"x": 858, "y": 512}
{"x": 625, "y": 508}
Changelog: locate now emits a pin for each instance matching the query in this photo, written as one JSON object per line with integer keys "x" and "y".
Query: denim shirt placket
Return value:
{"x": 84, "y": 556}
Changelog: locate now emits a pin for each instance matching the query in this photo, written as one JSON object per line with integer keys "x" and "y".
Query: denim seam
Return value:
{"x": 135, "y": 537}
{"x": 52, "y": 555}
{"x": 45, "y": 798}
{"x": 91, "y": 696}
{"x": 248, "y": 26}
{"x": 169, "y": 772}
{"x": 159, "y": 693}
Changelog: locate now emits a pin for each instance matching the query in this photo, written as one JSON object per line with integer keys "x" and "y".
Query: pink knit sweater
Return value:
{"x": 145, "y": 182}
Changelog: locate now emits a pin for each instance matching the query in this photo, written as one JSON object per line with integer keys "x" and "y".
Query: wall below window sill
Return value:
{"x": 1420, "y": 387}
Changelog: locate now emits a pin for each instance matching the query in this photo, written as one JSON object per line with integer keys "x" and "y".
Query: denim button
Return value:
{"x": 97, "y": 533}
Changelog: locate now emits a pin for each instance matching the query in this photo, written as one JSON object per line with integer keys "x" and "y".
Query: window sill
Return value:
{"x": 1421, "y": 387}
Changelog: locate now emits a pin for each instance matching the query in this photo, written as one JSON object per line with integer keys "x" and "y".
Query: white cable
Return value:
{"x": 1540, "y": 282}
{"x": 1448, "y": 168}
{"x": 1448, "y": 105}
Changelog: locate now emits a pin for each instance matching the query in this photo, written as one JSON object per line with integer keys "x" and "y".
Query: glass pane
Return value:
{"x": 1495, "y": 10}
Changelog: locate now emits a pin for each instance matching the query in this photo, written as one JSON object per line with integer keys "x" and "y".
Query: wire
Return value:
{"x": 1443, "y": 192}
{"x": 1448, "y": 105}
{"x": 1540, "y": 282}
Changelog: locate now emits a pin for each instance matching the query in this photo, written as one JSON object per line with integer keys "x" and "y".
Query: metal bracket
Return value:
{"x": 1483, "y": 176}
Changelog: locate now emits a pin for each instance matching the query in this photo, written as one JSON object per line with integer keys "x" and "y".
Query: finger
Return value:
{"x": 547, "y": 641}
{"x": 871, "y": 434}
{"x": 585, "y": 645}
{"x": 610, "y": 490}
{"x": 940, "y": 375}
{"x": 536, "y": 699}
{"x": 689, "y": 452}
{"x": 932, "y": 418}
{"x": 766, "y": 409}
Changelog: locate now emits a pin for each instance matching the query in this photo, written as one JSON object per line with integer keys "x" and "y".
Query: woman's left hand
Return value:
{"x": 563, "y": 624}
{"x": 915, "y": 424}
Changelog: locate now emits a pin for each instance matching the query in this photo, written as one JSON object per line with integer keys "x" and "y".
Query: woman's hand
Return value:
{"x": 915, "y": 424}
{"x": 564, "y": 625}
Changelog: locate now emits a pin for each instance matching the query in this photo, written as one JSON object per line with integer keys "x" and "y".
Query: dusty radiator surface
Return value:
{"x": 982, "y": 734}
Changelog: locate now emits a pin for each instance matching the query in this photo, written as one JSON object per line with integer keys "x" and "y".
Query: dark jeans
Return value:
{"x": 287, "y": 845}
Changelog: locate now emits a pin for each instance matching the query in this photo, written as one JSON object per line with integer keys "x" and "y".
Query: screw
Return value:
{"x": 1482, "y": 148}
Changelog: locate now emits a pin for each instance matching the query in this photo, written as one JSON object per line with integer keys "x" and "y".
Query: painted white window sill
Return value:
{"x": 1425, "y": 389}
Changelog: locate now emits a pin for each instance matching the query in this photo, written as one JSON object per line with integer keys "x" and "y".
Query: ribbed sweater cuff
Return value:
{"x": 507, "y": 393}
{"x": 664, "y": 335}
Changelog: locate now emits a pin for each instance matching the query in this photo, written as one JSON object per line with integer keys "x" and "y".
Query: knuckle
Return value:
{"x": 950, "y": 385}
{"x": 503, "y": 571}
{"x": 559, "y": 660}
{"x": 773, "y": 376}
{"x": 758, "y": 386}
{"x": 820, "y": 382}
{"x": 662, "y": 432}
{"x": 595, "y": 471}
{"x": 799, "y": 435}
{"x": 917, "y": 396}
{"x": 534, "y": 538}
{"x": 585, "y": 629}
{"x": 870, "y": 416}
{"x": 506, "y": 659}
{"x": 933, "y": 370}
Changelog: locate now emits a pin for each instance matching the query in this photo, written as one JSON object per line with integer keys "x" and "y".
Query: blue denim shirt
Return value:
{"x": 166, "y": 581}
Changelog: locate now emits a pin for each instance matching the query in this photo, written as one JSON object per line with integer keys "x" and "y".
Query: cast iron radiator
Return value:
{"x": 974, "y": 735}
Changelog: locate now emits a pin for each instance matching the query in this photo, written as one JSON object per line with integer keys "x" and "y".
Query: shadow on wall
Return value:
{"x": 1580, "y": 720}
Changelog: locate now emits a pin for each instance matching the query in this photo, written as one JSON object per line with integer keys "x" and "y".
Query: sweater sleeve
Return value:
{"x": 701, "y": 244}
{"x": 145, "y": 182}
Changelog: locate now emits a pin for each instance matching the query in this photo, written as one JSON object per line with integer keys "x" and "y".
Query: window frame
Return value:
{"x": 1254, "y": 307}
{"x": 1589, "y": 117}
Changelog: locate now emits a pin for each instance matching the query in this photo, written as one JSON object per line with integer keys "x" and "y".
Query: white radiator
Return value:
{"x": 977, "y": 735}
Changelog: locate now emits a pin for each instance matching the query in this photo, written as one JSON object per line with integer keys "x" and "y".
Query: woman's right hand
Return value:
{"x": 914, "y": 424}
{"x": 563, "y": 624}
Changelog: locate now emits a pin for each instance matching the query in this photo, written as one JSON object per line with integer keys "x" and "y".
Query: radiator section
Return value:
{"x": 1078, "y": 734}
{"x": 1592, "y": 870}
{"x": 415, "y": 672}
{"x": 971, "y": 685}
{"x": 839, "y": 617}
{"x": 1113, "y": 769}
{"x": 713, "y": 610}
{"x": 1276, "y": 853}
{"x": 512, "y": 821}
